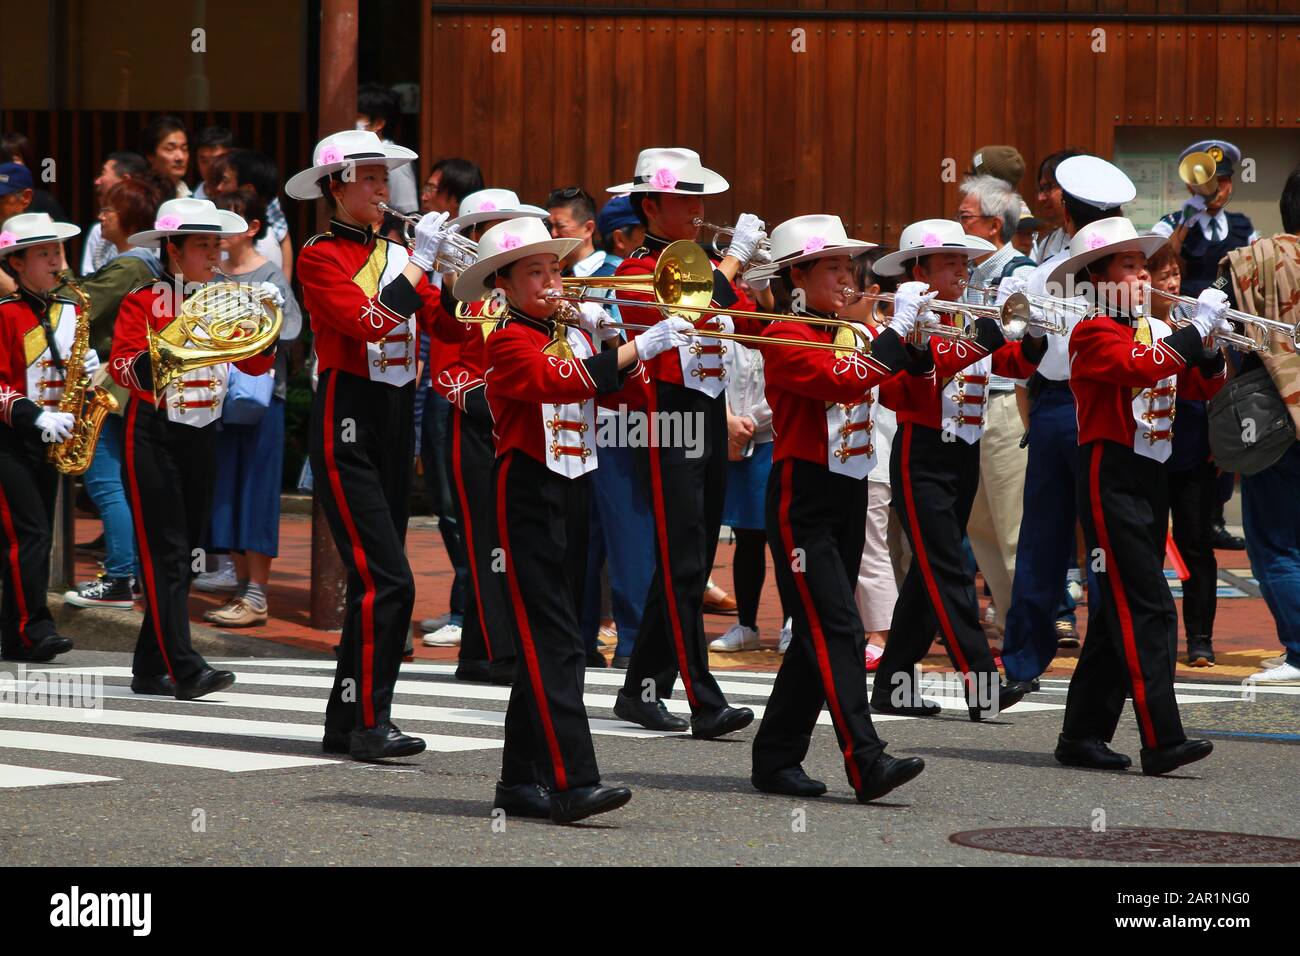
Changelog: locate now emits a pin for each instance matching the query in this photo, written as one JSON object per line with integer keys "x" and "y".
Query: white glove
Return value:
{"x": 271, "y": 292}
{"x": 1194, "y": 205}
{"x": 670, "y": 333}
{"x": 745, "y": 240}
{"x": 55, "y": 427}
{"x": 595, "y": 320}
{"x": 90, "y": 364}
{"x": 1210, "y": 306}
{"x": 910, "y": 300}
{"x": 1221, "y": 327}
{"x": 430, "y": 233}
{"x": 1009, "y": 287}
{"x": 758, "y": 282}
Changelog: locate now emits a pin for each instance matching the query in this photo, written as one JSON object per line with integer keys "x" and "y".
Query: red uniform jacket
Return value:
{"x": 353, "y": 290}
{"x": 919, "y": 397}
{"x": 30, "y": 383}
{"x": 154, "y": 306}
{"x": 667, "y": 366}
{"x": 456, "y": 367}
{"x": 521, "y": 378}
{"x": 800, "y": 383}
{"x": 1109, "y": 368}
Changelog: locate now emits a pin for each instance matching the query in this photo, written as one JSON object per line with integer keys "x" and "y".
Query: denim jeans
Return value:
{"x": 103, "y": 481}
{"x": 1271, "y": 517}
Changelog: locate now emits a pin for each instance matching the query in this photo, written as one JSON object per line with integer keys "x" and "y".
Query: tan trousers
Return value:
{"x": 877, "y": 588}
{"x": 994, "y": 525}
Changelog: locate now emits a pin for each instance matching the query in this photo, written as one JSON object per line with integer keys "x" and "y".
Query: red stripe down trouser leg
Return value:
{"x": 687, "y": 488}
{"x": 28, "y": 485}
{"x": 361, "y": 447}
{"x": 816, "y": 526}
{"x": 1132, "y": 642}
{"x": 169, "y": 471}
{"x": 546, "y": 732}
{"x": 933, "y": 483}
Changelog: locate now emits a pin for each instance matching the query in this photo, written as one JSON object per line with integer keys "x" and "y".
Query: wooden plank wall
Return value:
{"x": 862, "y": 122}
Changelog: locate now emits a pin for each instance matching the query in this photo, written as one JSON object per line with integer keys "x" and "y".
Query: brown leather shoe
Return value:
{"x": 718, "y": 601}
{"x": 236, "y": 613}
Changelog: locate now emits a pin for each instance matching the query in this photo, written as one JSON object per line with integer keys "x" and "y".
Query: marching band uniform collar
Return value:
{"x": 39, "y": 302}
{"x": 654, "y": 243}
{"x": 545, "y": 325}
{"x": 364, "y": 235}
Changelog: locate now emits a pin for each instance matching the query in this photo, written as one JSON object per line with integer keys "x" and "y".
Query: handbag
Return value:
{"x": 247, "y": 397}
{"x": 1249, "y": 425}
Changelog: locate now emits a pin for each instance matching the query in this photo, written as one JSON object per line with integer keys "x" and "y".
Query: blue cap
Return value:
{"x": 14, "y": 177}
{"x": 616, "y": 214}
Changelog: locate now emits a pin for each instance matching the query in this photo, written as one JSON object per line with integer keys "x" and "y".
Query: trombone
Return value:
{"x": 762, "y": 255}
{"x": 1240, "y": 342}
{"x": 457, "y": 252}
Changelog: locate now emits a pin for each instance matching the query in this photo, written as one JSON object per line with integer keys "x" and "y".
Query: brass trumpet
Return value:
{"x": 937, "y": 305}
{"x": 762, "y": 255}
{"x": 1048, "y": 305}
{"x": 457, "y": 253}
{"x": 1243, "y": 343}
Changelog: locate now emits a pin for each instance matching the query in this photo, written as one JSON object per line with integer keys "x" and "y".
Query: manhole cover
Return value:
{"x": 1133, "y": 844}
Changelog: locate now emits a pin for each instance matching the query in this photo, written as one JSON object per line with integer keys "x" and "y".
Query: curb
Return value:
{"x": 105, "y": 629}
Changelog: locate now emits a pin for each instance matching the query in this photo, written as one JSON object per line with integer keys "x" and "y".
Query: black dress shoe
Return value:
{"x": 886, "y": 774}
{"x": 1225, "y": 540}
{"x": 206, "y": 681}
{"x": 1200, "y": 651}
{"x": 1008, "y": 696}
{"x": 568, "y": 806}
{"x": 724, "y": 720}
{"x": 160, "y": 685}
{"x": 523, "y": 800}
{"x": 1024, "y": 686}
{"x": 652, "y": 715}
{"x": 1089, "y": 752}
{"x": 501, "y": 671}
{"x": 474, "y": 671}
{"x": 336, "y": 742}
{"x": 43, "y": 649}
{"x": 382, "y": 742}
{"x": 1164, "y": 759}
{"x": 926, "y": 708}
{"x": 621, "y": 663}
{"x": 596, "y": 659}
{"x": 790, "y": 781}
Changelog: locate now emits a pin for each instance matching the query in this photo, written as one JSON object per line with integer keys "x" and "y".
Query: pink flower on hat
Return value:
{"x": 487, "y": 206}
{"x": 1096, "y": 241}
{"x": 7, "y": 239}
{"x": 663, "y": 179}
{"x": 511, "y": 242}
{"x": 167, "y": 223}
{"x": 931, "y": 239}
{"x": 331, "y": 154}
{"x": 814, "y": 244}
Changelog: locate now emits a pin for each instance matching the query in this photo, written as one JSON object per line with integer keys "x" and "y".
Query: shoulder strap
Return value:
{"x": 1019, "y": 262}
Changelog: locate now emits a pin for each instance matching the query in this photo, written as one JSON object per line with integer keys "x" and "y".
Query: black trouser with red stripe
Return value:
{"x": 28, "y": 486}
{"x": 1193, "y": 496}
{"x": 1132, "y": 642}
{"x": 816, "y": 527}
{"x": 362, "y": 443}
{"x": 686, "y": 495}
{"x": 548, "y": 737}
{"x": 486, "y": 634}
{"x": 170, "y": 469}
{"x": 933, "y": 484}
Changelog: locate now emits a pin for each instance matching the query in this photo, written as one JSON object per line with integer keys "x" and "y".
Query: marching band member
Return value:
{"x": 542, "y": 380}
{"x": 37, "y": 330}
{"x": 364, "y": 294}
{"x": 686, "y": 492}
{"x": 487, "y": 649}
{"x": 1123, "y": 367}
{"x": 816, "y": 515}
{"x": 934, "y": 472}
{"x": 170, "y": 444}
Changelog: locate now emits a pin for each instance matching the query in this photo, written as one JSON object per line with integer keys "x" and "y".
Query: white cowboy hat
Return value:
{"x": 504, "y": 243}
{"x": 489, "y": 204}
{"x": 927, "y": 237}
{"x": 671, "y": 169}
{"x": 1105, "y": 237}
{"x": 187, "y": 217}
{"x": 813, "y": 237}
{"x": 1092, "y": 180}
{"x": 358, "y": 147}
{"x": 32, "y": 229}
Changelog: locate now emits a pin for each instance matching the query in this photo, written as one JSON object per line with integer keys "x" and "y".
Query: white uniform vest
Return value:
{"x": 45, "y": 381}
{"x": 964, "y": 400}
{"x": 1153, "y": 409}
{"x": 850, "y": 445}
{"x": 570, "y": 428}
{"x": 702, "y": 359}
{"x": 392, "y": 359}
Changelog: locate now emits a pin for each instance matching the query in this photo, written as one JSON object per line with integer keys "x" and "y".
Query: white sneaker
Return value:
{"x": 222, "y": 579}
{"x": 1284, "y": 675}
{"x": 787, "y": 632}
{"x": 1075, "y": 587}
{"x": 446, "y": 636}
{"x": 738, "y": 638}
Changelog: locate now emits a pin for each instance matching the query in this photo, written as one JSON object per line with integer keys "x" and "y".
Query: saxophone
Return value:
{"x": 87, "y": 405}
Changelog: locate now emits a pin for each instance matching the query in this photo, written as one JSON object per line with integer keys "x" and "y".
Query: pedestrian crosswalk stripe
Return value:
{"x": 12, "y": 776}
{"x": 207, "y": 758}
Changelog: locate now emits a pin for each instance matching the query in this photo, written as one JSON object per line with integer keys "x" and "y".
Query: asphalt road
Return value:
{"x": 187, "y": 786}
